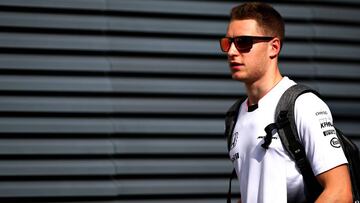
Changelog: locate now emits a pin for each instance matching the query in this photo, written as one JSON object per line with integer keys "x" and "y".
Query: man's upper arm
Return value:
{"x": 337, "y": 185}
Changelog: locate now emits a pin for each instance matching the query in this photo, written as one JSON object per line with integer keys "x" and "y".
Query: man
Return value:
{"x": 253, "y": 42}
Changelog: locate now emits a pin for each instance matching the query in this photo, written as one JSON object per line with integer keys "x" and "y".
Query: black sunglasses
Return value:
{"x": 242, "y": 43}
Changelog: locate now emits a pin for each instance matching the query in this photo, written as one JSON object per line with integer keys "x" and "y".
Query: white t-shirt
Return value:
{"x": 271, "y": 175}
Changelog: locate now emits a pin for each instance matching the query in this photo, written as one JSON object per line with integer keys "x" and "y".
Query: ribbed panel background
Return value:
{"x": 123, "y": 100}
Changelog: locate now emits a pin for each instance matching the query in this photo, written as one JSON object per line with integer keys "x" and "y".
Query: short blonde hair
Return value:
{"x": 268, "y": 19}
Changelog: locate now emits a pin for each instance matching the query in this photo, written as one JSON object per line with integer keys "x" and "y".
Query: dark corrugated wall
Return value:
{"x": 123, "y": 101}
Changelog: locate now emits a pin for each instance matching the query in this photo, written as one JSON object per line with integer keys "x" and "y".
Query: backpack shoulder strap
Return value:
{"x": 230, "y": 120}
{"x": 284, "y": 114}
{"x": 285, "y": 119}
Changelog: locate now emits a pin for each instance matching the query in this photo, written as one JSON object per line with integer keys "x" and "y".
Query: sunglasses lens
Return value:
{"x": 225, "y": 44}
{"x": 243, "y": 43}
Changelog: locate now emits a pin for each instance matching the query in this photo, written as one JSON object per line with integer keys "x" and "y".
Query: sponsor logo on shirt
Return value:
{"x": 335, "y": 142}
{"x": 234, "y": 157}
{"x": 319, "y": 113}
{"x": 262, "y": 137}
{"x": 325, "y": 123}
{"x": 329, "y": 132}
{"x": 234, "y": 140}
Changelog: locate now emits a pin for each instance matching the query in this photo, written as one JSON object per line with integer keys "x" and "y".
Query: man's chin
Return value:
{"x": 238, "y": 77}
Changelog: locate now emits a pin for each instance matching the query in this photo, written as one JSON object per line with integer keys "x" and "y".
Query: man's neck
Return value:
{"x": 260, "y": 88}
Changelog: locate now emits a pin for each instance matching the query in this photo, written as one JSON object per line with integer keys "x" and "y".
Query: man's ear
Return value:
{"x": 275, "y": 46}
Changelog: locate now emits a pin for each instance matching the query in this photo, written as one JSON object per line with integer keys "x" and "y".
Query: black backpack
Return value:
{"x": 286, "y": 128}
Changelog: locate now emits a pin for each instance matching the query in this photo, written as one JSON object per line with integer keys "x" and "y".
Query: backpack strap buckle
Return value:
{"x": 270, "y": 130}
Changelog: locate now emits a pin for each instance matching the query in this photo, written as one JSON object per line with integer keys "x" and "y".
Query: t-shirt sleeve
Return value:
{"x": 315, "y": 127}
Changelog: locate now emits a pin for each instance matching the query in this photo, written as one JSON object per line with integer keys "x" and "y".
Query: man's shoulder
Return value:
{"x": 309, "y": 101}
{"x": 310, "y": 108}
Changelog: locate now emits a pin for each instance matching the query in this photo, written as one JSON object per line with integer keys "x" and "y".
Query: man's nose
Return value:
{"x": 232, "y": 51}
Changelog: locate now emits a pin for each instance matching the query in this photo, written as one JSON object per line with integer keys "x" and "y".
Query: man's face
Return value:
{"x": 248, "y": 65}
